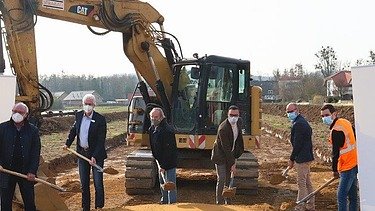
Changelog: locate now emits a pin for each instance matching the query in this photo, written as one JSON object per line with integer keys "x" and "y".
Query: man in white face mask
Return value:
{"x": 90, "y": 128}
{"x": 19, "y": 151}
{"x": 227, "y": 148}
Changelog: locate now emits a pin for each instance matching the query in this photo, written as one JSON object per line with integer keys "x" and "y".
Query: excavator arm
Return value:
{"x": 136, "y": 20}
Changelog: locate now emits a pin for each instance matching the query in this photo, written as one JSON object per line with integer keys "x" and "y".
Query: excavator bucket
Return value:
{"x": 46, "y": 197}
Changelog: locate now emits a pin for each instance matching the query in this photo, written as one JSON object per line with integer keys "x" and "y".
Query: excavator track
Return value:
{"x": 246, "y": 176}
{"x": 140, "y": 173}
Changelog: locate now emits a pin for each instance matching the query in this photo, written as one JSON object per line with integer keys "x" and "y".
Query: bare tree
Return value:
{"x": 327, "y": 61}
{"x": 276, "y": 74}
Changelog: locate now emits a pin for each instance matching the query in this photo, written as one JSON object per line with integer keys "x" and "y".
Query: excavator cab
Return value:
{"x": 203, "y": 91}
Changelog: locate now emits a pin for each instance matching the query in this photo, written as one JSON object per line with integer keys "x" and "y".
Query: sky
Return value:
{"x": 272, "y": 34}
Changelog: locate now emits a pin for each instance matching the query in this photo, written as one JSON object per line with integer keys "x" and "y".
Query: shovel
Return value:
{"x": 167, "y": 186}
{"x": 277, "y": 178}
{"x": 36, "y": 179}
{"x": 315, "y": 191}
{"x": 108, "y": 171}
{"x": 229, "y": 191}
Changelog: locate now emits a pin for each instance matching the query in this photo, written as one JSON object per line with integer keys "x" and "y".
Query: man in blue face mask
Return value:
{"x": 302, "y": 154}
{"x": 344, "y": 157}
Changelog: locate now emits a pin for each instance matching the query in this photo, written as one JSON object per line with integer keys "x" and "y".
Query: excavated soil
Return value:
{"x": 196, "y": 188}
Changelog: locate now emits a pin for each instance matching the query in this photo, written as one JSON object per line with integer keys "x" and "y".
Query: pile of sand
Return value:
{"x": 197, "y": 206}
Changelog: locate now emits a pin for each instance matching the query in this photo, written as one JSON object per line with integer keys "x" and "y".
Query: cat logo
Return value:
{"x": 81, "y": 9}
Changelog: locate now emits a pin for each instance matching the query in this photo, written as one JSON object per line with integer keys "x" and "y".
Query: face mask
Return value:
{"x": 292, "y": 116}
{"x": 17, "y": 117}
{"x": 327, "y": 120}
{"x": 232, "y": 120}
{"x": 155, "y": 122}
{"x": 87, "y": 108}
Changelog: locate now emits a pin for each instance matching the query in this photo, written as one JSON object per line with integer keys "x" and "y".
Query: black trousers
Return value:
{"x": 27, "y": 193}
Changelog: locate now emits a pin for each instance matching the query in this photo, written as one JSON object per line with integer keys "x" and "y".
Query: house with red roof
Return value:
{"x": 340, "y": 85}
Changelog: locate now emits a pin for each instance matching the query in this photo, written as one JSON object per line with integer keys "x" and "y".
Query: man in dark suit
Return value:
{"x": 227, "y": 148}
{"x": 302, "y": 154}
{"x": 90, "y": 128}
{"x": 164, "y": 150}
{"x": 19, "y": 151}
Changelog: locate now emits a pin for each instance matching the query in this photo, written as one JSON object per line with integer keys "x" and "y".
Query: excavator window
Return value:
{"x": 184, "y": 113}
{"x": 219, "y": 93}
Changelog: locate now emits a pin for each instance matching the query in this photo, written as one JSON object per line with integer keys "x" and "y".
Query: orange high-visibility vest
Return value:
{"x": 348, "y": 152}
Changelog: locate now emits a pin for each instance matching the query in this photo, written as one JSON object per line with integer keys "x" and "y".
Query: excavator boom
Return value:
{"x": 194, "y": 93}
{"x": 136, "y": 20}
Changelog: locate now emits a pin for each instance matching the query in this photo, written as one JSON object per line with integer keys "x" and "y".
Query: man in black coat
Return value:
{"x": 164, "y": 149}
{"x": 302, "y": 154}
{"x": 90, "y": 128}
{"x": 19, "y": 151}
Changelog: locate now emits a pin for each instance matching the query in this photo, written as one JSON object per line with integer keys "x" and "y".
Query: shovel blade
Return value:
{"x": 277, "y": 179}
{"x": 229, "y": 192}
{"x": 168, "y": 186}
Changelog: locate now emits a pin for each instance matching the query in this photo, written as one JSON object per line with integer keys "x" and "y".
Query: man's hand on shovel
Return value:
{"x": 92, "y": 162}
{"x": 30, "y": 177}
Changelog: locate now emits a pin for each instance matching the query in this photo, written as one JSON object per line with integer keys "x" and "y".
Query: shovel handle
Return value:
{"x": 162, "y": 175}
{"x": 231, "y": 179}
{"x": 36, "y": 179}
{"x": 316, "y": 191}
{"x": 285, "y": 172}
{"x": 85, "y": 158}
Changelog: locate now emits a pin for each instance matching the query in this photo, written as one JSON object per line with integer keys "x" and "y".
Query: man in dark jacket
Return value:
{"x": 164, "y": 149}
{"x": 90, "y": 128}
{"x": 19, "y": 151}
{"x": 302, "y": 154}
{"x": 227, "y": 148}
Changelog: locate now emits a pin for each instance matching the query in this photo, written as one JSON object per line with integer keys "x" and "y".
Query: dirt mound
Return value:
{"x": 68, "y": 161}
{"x": 72, "y": 186}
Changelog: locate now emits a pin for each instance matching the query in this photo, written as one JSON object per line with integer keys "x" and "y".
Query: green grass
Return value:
{"x": 276, "y": 121}
{"x": 52, "y": 144}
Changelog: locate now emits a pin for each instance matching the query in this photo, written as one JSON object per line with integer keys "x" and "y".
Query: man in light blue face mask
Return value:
{"x": 302, "y": 154}
{"x": 344, "y": 157}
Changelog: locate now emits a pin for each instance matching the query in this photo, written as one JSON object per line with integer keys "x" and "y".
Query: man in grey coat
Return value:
{"x": 227, "y": 148}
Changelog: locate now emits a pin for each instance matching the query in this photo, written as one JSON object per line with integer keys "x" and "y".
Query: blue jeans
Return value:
{"x": 84, "y": 174}
{"x": 168, "y": 197}
{"x": 348, "y": 189}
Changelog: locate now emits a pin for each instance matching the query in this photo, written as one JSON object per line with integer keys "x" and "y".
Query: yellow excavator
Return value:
{"x": 194, "y": 93}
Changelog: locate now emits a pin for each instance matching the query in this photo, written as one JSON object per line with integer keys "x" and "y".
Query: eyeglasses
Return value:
{"x": 234, "y": 115}
{"x": 290, "y": 111}
{"x": 324, "y": 115}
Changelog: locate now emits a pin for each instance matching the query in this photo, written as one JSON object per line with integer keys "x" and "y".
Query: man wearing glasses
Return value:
{"x": 302, "y": 154}
{"x": 227, "y": 148}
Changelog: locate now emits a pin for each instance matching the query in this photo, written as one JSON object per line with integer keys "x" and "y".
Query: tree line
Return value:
{"x": 304, "y": 86}
{"x": 109, "y": 87}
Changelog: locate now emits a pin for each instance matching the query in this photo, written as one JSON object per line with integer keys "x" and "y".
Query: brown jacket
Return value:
{"x": 222, "y": 151}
